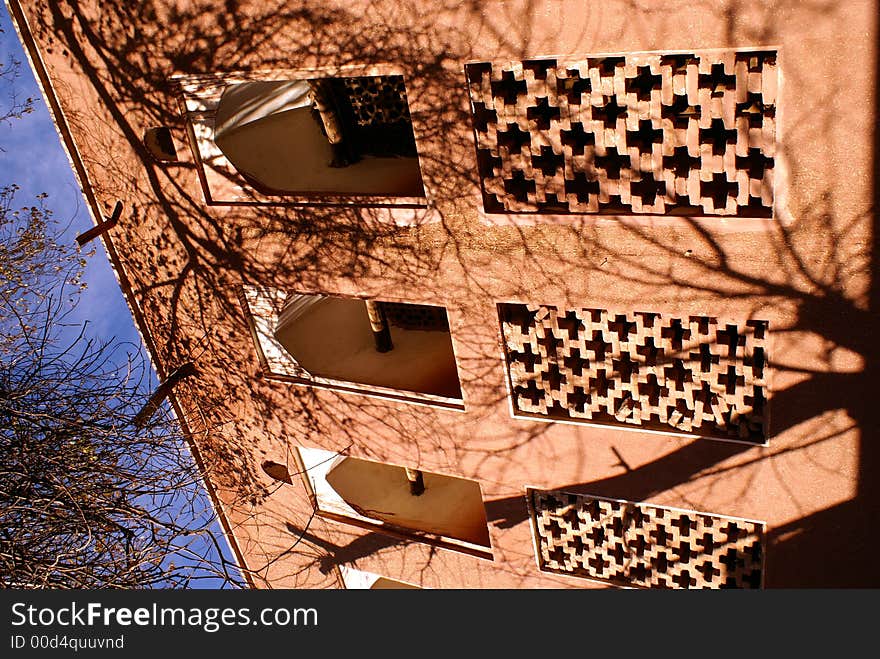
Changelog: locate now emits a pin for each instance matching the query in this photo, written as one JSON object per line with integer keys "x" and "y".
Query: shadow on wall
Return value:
{"x": 360, "y": 547}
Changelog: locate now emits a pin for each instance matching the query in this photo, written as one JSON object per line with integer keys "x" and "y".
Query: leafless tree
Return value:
{"x": 14, "y": 107}
{"x": 88, "y": 497}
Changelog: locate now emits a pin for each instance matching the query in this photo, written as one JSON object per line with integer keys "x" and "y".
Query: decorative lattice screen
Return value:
{"x": 640, "y": 133}
{"x": 416, "y": 316}
{"x": 377, "y": 99}
{"x": 643, "y": 545}
{"x": 695, "y": 375}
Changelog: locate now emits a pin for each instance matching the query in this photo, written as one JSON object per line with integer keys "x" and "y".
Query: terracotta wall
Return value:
{"x": 808, "y": 271}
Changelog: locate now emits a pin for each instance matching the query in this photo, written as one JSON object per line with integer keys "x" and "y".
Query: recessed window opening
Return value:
{"x": 321, "y": 136}
{"x": 448, "y": 510}
{"x": 355, "y": 579}
{"x": 392, "y": 348}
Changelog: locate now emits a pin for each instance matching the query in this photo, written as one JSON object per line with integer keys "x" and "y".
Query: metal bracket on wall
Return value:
{"x": 98, "y": 229}
{"x": 185, "y": 370}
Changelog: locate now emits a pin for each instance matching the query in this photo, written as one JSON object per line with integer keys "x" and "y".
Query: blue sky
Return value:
{"x": 34, "y": 159}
